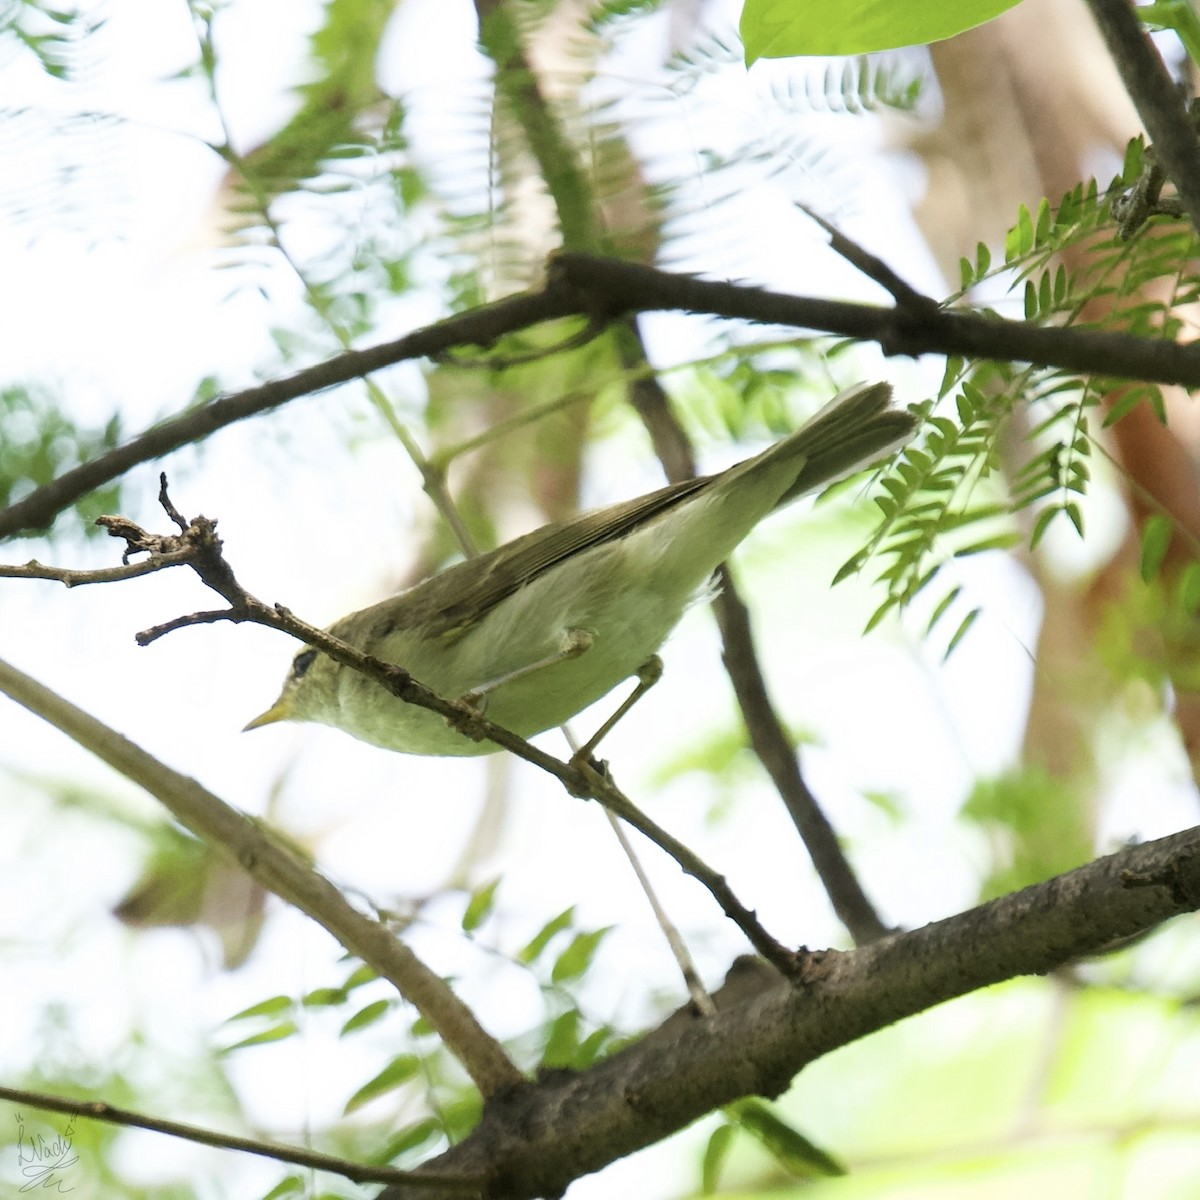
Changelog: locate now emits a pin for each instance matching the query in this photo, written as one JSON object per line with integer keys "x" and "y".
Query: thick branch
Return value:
{"x": 537, "y": 1139}
{"x": 620, "y": 287}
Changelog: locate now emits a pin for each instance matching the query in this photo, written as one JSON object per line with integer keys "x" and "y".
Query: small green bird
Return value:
{"x": 543, "y": 626}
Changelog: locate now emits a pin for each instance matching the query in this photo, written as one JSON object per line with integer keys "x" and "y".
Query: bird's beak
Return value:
{"x": 279, "y": 711}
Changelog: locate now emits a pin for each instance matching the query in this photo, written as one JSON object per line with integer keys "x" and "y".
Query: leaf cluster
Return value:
{"x": 959, "y": 489}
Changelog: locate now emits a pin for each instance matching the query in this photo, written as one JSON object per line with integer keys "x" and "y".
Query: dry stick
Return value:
{"x": 281, "y": 871}
{"x": 768, "y": 737}
{"x": 98, "y": 1110}
{"x": 1158, "y": 101}
{"x": 600, "y": 288}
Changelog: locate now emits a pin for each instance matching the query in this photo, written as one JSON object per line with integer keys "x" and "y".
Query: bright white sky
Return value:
{"x": 110, "y": 293}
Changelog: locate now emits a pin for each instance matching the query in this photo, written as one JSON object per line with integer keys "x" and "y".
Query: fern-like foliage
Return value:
{"x": 48, "y": 35}
{"x": 946, "y": 498}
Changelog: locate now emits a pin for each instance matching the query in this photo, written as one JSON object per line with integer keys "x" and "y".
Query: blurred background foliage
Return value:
{"x": 365, "y": 208}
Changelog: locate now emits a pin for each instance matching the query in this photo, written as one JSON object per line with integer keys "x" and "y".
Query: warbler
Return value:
{"x": 543, "y": 626}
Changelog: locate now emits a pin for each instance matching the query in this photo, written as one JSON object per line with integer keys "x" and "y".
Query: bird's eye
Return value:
{"x": 303, "y": 661}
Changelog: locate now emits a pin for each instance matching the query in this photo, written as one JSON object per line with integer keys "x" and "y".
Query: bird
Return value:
{"x": 538, "y": 629}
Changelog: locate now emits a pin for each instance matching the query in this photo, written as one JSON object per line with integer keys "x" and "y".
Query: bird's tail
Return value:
{"x": 854, "y": 429}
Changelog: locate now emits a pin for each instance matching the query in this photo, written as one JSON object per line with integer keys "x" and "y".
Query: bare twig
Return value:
{"x": 98, "y": 1110}
{"x": 77, "y": 578}
{"x": 873, "y": 267}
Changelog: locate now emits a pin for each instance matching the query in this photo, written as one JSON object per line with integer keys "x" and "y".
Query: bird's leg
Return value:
{"x": 574, "y": 643}
{"x": 648, "y": 674}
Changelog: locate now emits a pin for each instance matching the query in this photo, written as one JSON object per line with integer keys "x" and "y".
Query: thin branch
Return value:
{"x": 873, "y": 267}
{"x": 558, "y": 165}
{"x": 767, "y": 735}
{"x": 1159, "y": 102}
{"x": 77, "y": 578}
{"x": 280, "y": 870}
{"x": 99, "y": 1110}
{"x": 779, "y": 757}
{"x": 479, "y": 327}
{"x": 203, "y": 554}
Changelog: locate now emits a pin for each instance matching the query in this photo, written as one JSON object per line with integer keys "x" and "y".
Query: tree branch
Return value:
{"x": 767, "y": 735}
{"x": 278, "y": 868}
{"x": 615, "y": 288}
{"x": 479, "y": 327}
{"x": 98, "y": 1110}
{"x": 603, "y": 289}
{"x": 199, "y": 548}
{"x": 537, "y": 1140}
{"x": 1158, "y": 101}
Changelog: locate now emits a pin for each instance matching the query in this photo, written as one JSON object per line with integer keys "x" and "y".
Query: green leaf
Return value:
{"x": 1001, "y": 541}
{"x": 1075, "y": 516}
{"x": 292, "y": 1185}
{"x": 277, "y": 1033}
{"x": 961, "y": 632}
{"x": 577, "y": 957}
{"x": 360, "y": 975}
{"x": 1043, "y": 223}
{"x": 412, "y": 1137}
{"x": 1189, "y": 589}
{"x": 1156, "y": 538}
{"x": 715, "y": 1154}
{"x": 398, "y": 1072}
{"x": 1042, "y": 524}
{"x": 325, "y": 997}
{"x": 1023, "y": 231}
{"x": 480, "y": 905}
{"x": 264, "y": 1008}
{"x": 784, "y": 29}
{"x": 881, "y": 612}
{"x": 563, "y": 1040}
{"x": 790, "y": 1148}
{"x": 1031, "y": 300}
{"x": 541, "y": 939}
{"x": 1135, "y": 153}
{"x": 1045, "y": 295}
{"x": 888, "y": 803}
{"x": 943, "y": 604}
{"x": 373, "y": 1012}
